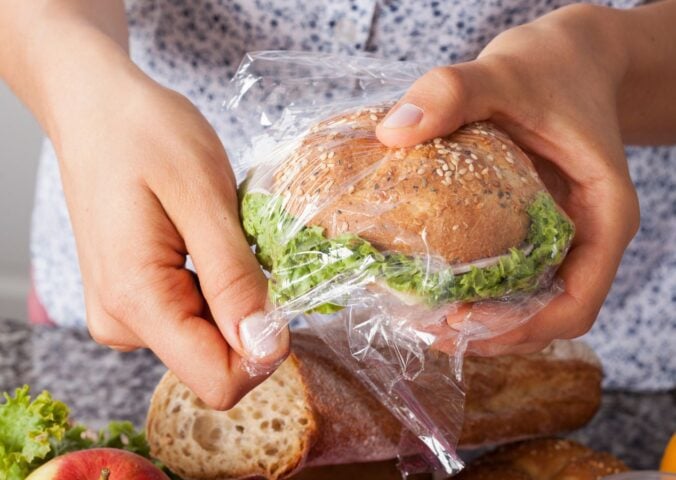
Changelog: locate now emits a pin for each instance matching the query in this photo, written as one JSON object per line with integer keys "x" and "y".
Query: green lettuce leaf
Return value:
{"x": 27, "y": 430}
{"x": 32, "y": 432}
{"x": 308, "y": 259}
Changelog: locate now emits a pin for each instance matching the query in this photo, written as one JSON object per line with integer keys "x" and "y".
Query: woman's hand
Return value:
{"x": 147, "y": 182}
{"x": 553, "y": 85}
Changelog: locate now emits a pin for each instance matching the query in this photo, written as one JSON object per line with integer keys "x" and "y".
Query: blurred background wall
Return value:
{"x": 20, "y": 138}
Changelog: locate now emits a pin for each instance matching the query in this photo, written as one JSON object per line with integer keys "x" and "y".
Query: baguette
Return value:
{"x": 313, "y": 412}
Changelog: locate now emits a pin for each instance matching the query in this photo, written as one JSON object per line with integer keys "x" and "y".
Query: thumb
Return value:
{"x": 235, "y": 288}
{"x": 438, "y": 103}
{"x": 230, "y": 278}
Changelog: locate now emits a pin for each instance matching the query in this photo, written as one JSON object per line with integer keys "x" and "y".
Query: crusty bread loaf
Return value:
{"x": 268, "y": 433}
{"x": 543, "y": 459}
{"x": 513, "y": 397}
{"x": 431, "y": 198}
{"x": 311, "y": 411}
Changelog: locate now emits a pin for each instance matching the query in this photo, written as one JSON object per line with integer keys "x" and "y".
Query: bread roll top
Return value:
{"x": 462, "y": 197}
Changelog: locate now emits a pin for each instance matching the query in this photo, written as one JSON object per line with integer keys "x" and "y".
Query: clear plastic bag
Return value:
{"x": 390, "y": 255}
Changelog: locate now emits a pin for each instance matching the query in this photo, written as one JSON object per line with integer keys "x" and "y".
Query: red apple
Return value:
{"x": 98, "y": 464}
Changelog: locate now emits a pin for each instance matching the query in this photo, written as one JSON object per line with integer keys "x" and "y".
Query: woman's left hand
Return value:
{"x": 553, "y": 85}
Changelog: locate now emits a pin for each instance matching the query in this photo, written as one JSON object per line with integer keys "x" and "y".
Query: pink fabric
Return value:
{"x": 37, "y": 315}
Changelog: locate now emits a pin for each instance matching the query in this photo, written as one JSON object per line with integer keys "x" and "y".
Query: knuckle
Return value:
{"x": 221, "y": 397}
{"x": 634, "y": 214}
{"x": 578, "y": 329}
{"x": 236, "y": 285}
{"x": 102, "y": 332}
{"x": 448, "y": 81}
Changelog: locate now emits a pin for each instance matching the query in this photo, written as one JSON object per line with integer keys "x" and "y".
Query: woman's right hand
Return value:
{"x": 147, "y": 182}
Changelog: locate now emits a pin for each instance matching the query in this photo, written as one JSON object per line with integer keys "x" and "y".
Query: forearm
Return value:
{"x": 57, "y": 55}
{"x": 647, "y": 94}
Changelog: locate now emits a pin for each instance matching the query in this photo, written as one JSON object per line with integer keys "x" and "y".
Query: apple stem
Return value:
{"x": 105, "y": 474}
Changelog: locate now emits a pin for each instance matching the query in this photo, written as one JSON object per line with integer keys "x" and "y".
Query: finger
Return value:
{"x": 205, "y": 212}
{"x": 438, "y": 103}
{"x": 188, "y": 344}
{"x": 490, "y": 348}
{"x": 147, "y": 289}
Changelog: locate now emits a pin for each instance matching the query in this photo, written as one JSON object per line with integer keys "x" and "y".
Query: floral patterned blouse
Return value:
{"x": 194, "y": 47}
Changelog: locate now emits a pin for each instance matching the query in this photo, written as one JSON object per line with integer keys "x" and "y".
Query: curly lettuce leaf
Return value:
{"x": 309, "y": 259}
{"x": 28, "y": 430}
{"x": 32, "y": 432}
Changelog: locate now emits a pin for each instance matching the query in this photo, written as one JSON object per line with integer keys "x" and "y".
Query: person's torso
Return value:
{"x": 194, "y": 47}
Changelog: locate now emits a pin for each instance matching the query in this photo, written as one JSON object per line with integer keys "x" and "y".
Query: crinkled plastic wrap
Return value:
{"x": 388, "y": 254}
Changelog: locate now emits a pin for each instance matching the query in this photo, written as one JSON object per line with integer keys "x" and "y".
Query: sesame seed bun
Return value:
{"x": 462, "y": 197}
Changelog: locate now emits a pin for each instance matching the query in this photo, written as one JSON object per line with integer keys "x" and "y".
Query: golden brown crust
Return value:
{"x": 543, "y": 459}
{"x": 508, "y": 398}
{"x": 520, "y": 396}
{"x": 461, "y": 197}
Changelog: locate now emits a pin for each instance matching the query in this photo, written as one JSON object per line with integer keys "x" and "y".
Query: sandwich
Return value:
{"x": 461, "y": 218}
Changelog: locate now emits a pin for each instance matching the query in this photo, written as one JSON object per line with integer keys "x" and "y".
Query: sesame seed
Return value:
{"x": 424, "y": 182}
{"x": 462, "y": 171}
{"x": 420, "y": 171}
{"x": 471, "y": 167}
{"x": 373, "y": 117}
{"x": 323, "y": 156}
{"x": 437, "y": 140}
{"x": 504, "y": 147}
{"x": 350, "y": 189}
{"x": 332, "y": 154}
{"x": 439, "y": 172}
{"x": 418, "y": 147}
{"x": 484, "y": 171}
{"x": 444, "y": 167}
{"x": 473, "y": 155}
{"x": 490, "y": 158}
{"x": 510, "y": 160}
{"x": 476, "y": 174}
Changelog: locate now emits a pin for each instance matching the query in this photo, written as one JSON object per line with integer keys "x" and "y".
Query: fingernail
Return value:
{"x": 407, "y": 115}
{"x": 258, "y": 342}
